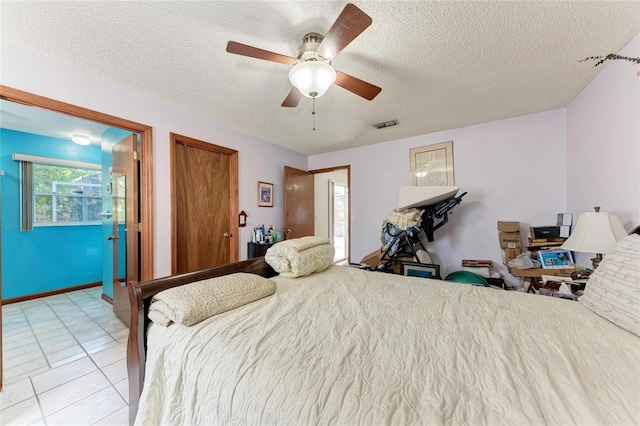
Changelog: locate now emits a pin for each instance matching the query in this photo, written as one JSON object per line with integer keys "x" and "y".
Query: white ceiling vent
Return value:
{"x": 386, "y": 124}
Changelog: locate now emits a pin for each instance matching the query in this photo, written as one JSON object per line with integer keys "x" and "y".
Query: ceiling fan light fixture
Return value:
{"x": 81, "y": 139}
{"x": 312, "y": 78}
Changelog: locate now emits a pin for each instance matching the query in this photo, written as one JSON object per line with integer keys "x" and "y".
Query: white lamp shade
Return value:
{"x": 595, "y": 233}
{"x": 312, "y": 78}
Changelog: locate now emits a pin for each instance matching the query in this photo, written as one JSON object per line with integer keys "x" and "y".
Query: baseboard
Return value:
{"x": 107, "y": 298}
{"x": 51, "y": 293}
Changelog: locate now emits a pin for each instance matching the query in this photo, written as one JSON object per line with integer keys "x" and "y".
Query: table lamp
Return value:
{"x": 595, "y": 232}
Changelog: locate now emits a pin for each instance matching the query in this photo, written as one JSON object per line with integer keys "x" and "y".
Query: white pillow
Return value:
{"x": 191, "y": 303}
{"x": 300, "y": 257}
{"x": 613, "y": 290}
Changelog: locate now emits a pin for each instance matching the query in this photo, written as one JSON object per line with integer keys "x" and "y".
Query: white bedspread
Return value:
{"x": 351, "y": 347}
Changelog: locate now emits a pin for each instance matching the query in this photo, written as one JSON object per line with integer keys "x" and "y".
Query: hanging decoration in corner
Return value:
{"x": 611, "y": 57}
{"x": 243, "y": 219}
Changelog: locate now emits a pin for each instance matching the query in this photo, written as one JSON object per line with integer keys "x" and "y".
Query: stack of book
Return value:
{"x": 536, "y": 244}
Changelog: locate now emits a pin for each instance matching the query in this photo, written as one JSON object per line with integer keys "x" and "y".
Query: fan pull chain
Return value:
{"x": 313, "y": 113}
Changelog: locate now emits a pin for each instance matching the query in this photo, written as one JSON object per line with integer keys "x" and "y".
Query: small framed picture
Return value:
{"x": 555, "y": 259}
{"x": 422, "y": 270}
{"x": 265, "y": 194}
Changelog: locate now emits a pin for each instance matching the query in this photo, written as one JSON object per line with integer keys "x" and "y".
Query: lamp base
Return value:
{"x": 596, "y": 260}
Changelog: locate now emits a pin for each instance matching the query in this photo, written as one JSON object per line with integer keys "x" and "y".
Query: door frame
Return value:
{"x": 146, "y": 161}
{"x": 234, "y": 243}
{"x": 346, "y": 167}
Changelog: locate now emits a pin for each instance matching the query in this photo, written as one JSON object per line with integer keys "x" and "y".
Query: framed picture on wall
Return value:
{"x": 265, "y": 194}
{"x": 422, "y": 270}
{"x": 432, "y": 165}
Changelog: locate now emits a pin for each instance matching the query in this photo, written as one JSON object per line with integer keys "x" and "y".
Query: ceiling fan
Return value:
{"x": 312, "y": 73}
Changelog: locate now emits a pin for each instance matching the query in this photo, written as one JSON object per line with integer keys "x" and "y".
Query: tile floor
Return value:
{"x": 64, "y": 362}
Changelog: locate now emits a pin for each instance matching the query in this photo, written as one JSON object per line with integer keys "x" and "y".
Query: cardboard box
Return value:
{"x": 372, "y": 259}
{"x": 508, "y": 226}
{"x": 509, "y": 254}
{"x": 509, "y": 240}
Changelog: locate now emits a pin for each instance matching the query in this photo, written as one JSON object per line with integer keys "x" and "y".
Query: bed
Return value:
{"x": 347, "y": 346}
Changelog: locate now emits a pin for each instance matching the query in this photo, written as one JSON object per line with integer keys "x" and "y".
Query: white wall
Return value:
{"x": 513, "y": 169}
{"x": 603, "y": 142}
{"x": 258, "y": 160}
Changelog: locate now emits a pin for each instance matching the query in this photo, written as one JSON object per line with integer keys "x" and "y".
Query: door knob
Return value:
{"x": 227, "y": 235}
{"x": 111, "y": 237}
{"x": 288, "y": 231}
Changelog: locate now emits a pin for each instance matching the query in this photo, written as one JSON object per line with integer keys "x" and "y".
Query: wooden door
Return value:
{"x": 124, "y": 176}
{"x": 205, "y": 205}
{"x": 298, "y": 203}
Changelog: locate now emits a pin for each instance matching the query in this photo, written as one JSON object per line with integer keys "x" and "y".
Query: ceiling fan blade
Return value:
{"x": 254, "y": 52}
{"x": 292, "y": 99}
{"x": 351, "y": 22}
{"x": 357, "y": 86}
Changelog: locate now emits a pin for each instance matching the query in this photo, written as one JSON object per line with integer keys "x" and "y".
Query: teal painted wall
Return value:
{"x": 47, "y": 258}
{"x": 109, "y": 139}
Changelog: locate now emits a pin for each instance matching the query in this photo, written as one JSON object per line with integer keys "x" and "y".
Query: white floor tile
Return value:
{"x": 23, "y": 413}
{"x": 70, "y": 388}
{"x": 111, "y": 355}
{"x": 121, "y": 336}
{"x": 116, "y": 372}
{"x": 57, "y": 333}
{"x": 65, "y": 354}
{"x": 19, "y": 351}
{"x": 58, "y": 376}
{"x": 26, "y": 367}
{"x": 33, "y": 356}
{"x": 119, "y": 418}
{"x": 71, "y": 392}
{"x": 103, "y": 347}
{"x": 92, "y": 334}
{"x": 15, "y": 393}
{"x": 16, "y": 332}
{"x": 123, "y": 388}
{"x": 22, "y": 339}
{"x": 100, "y": 341}
{"x": 67, "y": 360}
{"x": 89, "y": 410}
{"x": 58, "y": 344}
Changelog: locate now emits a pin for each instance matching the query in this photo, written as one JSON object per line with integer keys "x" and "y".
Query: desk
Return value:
{"x": 535, "y": 273}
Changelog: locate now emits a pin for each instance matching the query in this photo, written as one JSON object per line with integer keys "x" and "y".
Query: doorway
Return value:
{"x": 309, "y": 207}
{"x": 338, "y": 225}
{"x": 145, "y": 161}
{"x": 146, "y": 184}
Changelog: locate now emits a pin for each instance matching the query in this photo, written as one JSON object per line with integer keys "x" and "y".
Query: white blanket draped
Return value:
{"x": 347, "y": 346}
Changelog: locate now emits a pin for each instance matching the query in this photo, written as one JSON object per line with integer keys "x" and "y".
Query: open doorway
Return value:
{"x": 145, "y": 224}
{"x": 331, "y": 209}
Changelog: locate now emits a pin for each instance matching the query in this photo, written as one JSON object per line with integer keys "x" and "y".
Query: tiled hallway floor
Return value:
{"x": 64, "y": 362}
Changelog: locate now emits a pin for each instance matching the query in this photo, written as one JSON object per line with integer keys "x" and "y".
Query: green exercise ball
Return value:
{"x": 467, "y": 277}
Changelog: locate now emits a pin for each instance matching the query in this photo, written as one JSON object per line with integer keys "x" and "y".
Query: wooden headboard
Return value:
{"x": 140, "y": 295}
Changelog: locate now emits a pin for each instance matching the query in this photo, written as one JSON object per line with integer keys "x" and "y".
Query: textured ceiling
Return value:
{"x": 441, "y": 65}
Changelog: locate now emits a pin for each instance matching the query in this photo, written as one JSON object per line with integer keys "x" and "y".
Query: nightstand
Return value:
{"x": 257, "y": 249}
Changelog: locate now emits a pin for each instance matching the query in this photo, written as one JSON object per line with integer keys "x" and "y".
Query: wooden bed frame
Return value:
{"x": 140, "y": 295}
